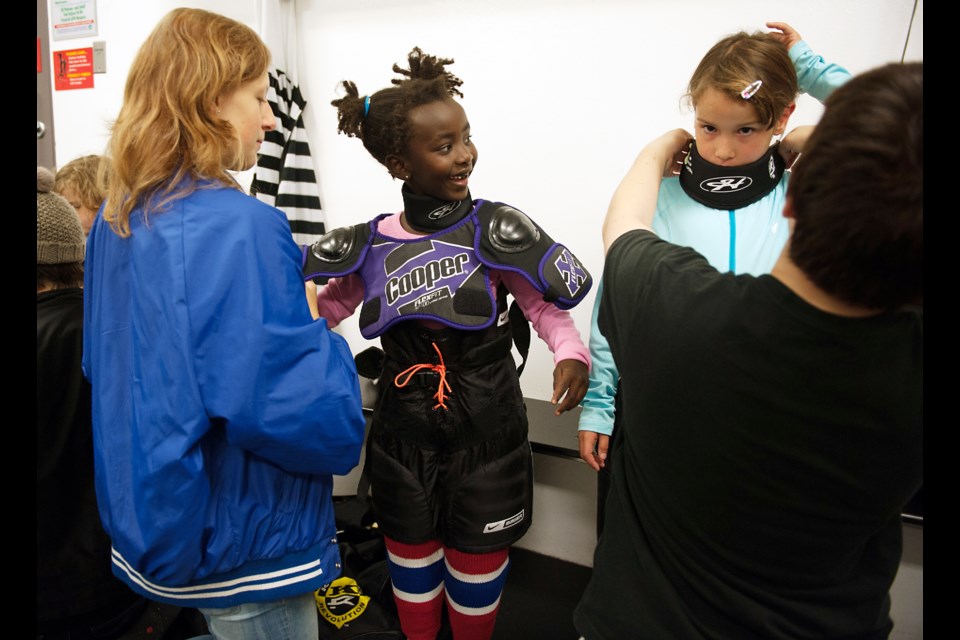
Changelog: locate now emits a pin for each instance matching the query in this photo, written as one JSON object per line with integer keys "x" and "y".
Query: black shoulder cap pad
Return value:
{"x": 336, "y": 253}
{"x": 511, "y": 240}
{"x": 334, "y": 246}
{"x": 511, "y": 230}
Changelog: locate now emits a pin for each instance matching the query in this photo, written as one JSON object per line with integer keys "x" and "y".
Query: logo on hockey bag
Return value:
{"x": 341, "y": 602}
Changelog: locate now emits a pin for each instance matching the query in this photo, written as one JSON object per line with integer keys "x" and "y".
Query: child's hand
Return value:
{"x": 570, "y": 383}
{"x": 788, "y": 36}
{"x": 593, "y": 448}
{"x": 792, "y": 145}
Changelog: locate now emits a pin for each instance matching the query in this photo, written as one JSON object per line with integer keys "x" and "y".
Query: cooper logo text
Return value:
{"x": 424, "y": 276}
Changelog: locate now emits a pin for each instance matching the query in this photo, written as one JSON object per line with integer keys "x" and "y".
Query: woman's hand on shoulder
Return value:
{"x": 311, "y": 289}
{"x": 570, "y": 381}
{"x": 792, "y": 144}
{"x": 674, "y": 146}
{"x": 787, "y": 35}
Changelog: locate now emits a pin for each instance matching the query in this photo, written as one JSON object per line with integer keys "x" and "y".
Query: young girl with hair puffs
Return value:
{"x": 448, "y": 458}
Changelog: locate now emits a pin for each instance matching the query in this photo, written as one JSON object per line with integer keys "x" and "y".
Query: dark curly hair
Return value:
{"x": 385, "y": 129}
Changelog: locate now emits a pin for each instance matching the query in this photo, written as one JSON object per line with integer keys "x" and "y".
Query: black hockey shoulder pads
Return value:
{"x": 510, "y": 240}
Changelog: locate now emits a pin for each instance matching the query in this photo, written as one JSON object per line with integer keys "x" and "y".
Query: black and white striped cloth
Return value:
{"x": 284, "y": 176}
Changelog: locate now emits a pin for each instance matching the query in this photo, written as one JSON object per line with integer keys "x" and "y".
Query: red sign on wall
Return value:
{"x": 73, "y": 69}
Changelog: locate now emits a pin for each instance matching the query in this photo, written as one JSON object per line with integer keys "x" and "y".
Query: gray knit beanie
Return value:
{"x": 59, "y": 234}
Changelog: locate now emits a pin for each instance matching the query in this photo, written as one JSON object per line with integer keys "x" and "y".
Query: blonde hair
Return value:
{"x": 80, "y": 175}
{"x": 167, "y": 135}
{"x": 739, "y": 60}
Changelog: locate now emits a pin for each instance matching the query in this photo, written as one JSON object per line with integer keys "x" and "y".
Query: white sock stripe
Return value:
{"x": 418, "y": 597}
{"x": 416, "y": 563}
{"x": 477, "y": 578}
{"x": 473, "y": 611}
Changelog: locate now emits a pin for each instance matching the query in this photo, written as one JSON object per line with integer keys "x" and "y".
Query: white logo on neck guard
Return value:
{"x": 444, "y": 211}
{"x": 726, "y": 185}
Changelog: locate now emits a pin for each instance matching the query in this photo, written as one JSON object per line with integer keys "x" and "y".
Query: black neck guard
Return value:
{"x": 429, "y": 215}
{"x": 720, "y": 187}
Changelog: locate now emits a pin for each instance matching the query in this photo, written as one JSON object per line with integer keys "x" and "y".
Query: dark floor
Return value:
{"x": 537, "y": 604}
{"x": 539, "y": 598}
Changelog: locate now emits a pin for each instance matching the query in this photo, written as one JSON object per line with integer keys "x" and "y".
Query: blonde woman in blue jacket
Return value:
{"x": 221, "y": 408}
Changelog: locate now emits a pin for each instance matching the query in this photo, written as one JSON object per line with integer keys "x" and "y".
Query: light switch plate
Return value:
{"x": 100, "y": 57}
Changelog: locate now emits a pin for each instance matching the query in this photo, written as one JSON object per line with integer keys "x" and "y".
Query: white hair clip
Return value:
{"x": 751, "y": 89}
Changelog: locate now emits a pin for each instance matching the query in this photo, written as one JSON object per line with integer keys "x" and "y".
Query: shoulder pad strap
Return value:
{"x": 336, "y": 253}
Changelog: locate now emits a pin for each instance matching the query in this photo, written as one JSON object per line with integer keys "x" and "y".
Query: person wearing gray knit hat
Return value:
{"x": 76, "y": 589}
{"x": 60, "y": 238}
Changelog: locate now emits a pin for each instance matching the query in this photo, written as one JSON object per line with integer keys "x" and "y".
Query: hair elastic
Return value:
{"x": 366, "y": 106}
{"x": 751, "y": 89}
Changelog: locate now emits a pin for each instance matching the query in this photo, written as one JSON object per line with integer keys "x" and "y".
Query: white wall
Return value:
{"x": 561, "y": 96}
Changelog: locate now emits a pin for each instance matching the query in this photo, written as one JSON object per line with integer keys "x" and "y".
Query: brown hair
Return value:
{"x": 80, "y": 175}
{"x": 384, "y": 127}
{"x": 739, "y": 60}
{"x": 857, "y": 192}
{"x": 68, "y": 275}
{"x": 167, "y": 135}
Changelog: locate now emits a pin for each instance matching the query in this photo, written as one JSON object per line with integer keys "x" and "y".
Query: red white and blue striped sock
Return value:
{"x": 416, "y": 571}
{"x": 474, "y": 582}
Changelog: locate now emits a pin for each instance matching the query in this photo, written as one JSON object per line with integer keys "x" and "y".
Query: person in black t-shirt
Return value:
{"x": 772, "y": 425}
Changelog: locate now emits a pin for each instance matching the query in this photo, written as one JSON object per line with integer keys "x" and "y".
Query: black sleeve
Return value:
{"x": 645, "y": 279}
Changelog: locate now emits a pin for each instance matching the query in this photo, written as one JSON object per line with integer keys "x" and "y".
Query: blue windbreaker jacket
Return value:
{"x": 220, "y": 408}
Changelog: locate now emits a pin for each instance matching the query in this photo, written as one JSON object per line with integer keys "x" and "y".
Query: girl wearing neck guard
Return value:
{"x": 448, "y": 460}
{"x": 726, "y": 197}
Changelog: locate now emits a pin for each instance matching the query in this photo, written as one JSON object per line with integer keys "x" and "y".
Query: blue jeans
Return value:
{"x": 290, "y": 619}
